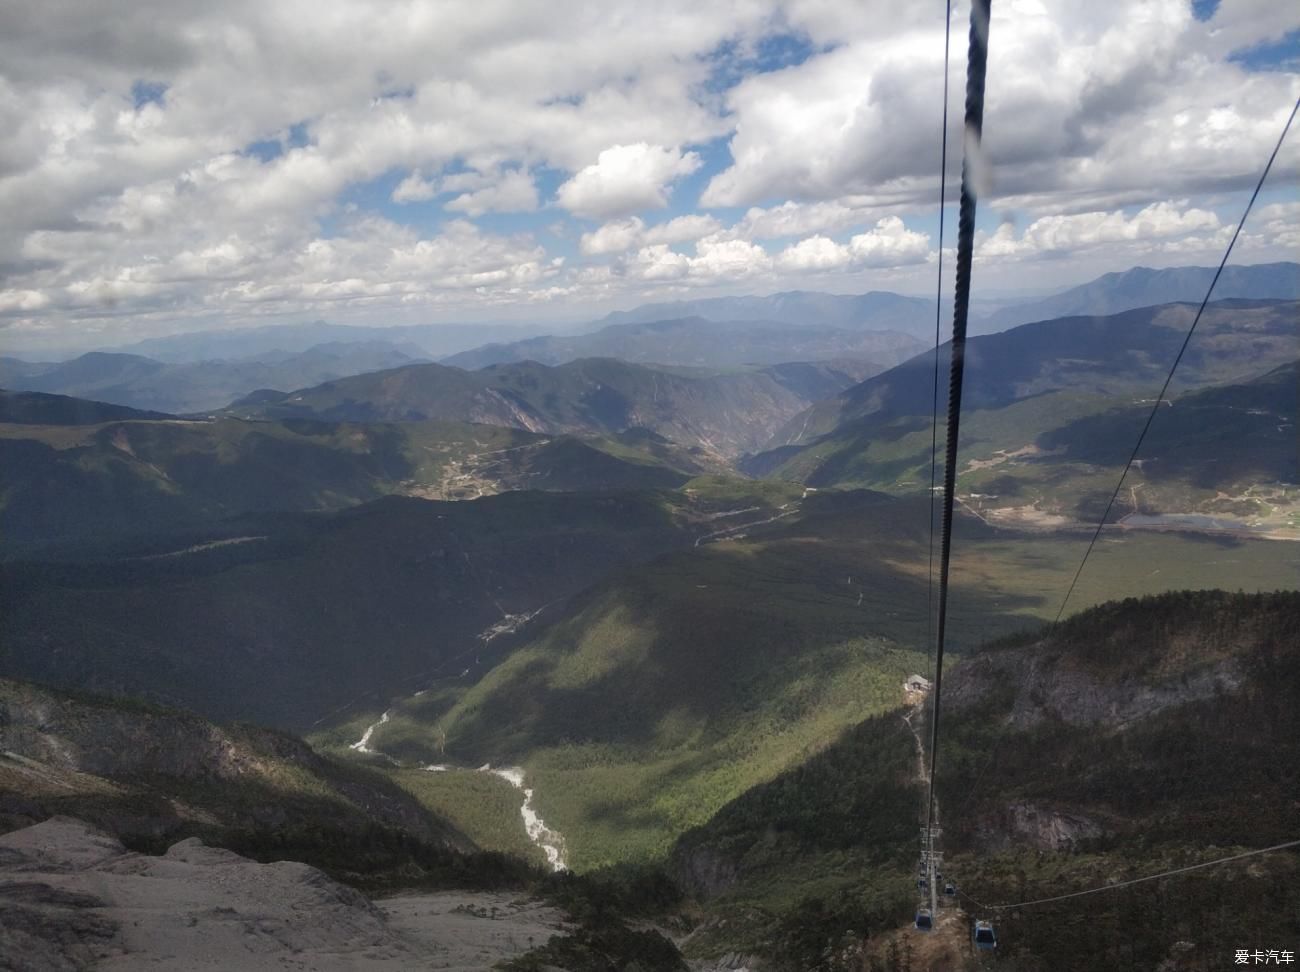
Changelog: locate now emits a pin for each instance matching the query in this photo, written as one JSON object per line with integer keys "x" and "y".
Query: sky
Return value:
{"x": 174, "y": 165}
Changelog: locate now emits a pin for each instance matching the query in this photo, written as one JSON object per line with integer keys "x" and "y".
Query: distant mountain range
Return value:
{"x": 872, "y": 311}
{"x": 415, "y": 340}
{"x": 878, "y": 310}
{"x": 697, "y": 342}
{"x": 1049, "y": 406}
{"x": 146, "y": 383}
{"x": 1144, "y": 287}
{"x": 723, "y": 414}
{"x": 882, "y": 310}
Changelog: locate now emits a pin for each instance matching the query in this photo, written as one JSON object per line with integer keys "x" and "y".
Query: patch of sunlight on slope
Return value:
{"x": 618, "y": 801}
{"x": 615, "y": 641}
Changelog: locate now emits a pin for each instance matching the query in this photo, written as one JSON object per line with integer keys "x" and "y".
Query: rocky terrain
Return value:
{"x": 72, "y": 897}
{"x": 147, "y": 772}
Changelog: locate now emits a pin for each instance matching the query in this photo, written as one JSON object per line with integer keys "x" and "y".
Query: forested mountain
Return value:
{"x": 1094, "y": 355}
{"x": 75, "y": 482}
{"x": 1110, "y": 747}
{"x": 385, "y": 596}
{"x": 38, "y": 408}
{"x": 150, "y": 773}
{"x": 1052, "y": 410}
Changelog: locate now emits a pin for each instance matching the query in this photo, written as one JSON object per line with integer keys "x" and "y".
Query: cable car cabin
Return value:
{"x": 950, "y": 889}
{"x": 984, "y": 935}
{"x": 922, "y": 884}
{"x": 924, "y": 920}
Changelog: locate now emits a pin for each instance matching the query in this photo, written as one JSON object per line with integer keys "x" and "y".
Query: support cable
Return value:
{"x": 1028, "y": 669}
{"x": 1129, "y": 883}
{"x": 1179, "y": 357}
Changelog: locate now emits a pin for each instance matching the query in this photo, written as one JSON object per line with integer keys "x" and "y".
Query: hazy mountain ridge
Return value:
{"x": 416, "y": 340}
{"x": 698, "y": 342}
{"x": 878, "y": 310}
{"x": 724, "y": 414}
{"x": 145, "y": 383}
{"x": 1033, "y": 389}
{"x": 1112, "y": 293}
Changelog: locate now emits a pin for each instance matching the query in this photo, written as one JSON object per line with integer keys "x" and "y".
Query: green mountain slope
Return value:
{"x": 282, "y": 618}
{"x": 66, "y": 484}
{"x": 38, "y": 408}
{"x": 1043, "y": 438}
{"x": 724, "y": 414}
{"x": 1121, "y": 354}
{"x": 1136, "y": 736}
{"x": 671, "y": 688}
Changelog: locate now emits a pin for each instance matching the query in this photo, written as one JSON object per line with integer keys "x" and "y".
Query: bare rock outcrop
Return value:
{"x": 72, "y": 898}
{"x": 1048, "y": 688}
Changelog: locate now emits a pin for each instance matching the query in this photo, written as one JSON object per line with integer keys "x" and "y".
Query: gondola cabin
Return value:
{"x": 985, "y": 936}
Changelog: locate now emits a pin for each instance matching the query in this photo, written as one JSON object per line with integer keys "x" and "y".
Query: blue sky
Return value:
{"x": 372, "y": 162}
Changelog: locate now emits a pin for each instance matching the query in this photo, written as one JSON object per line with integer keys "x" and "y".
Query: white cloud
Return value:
{"x": 1055, "y": 234}
{"x": 889, "y": 244}
{"x": 415, "y": 188}
{"x": 683, "y": 229}
{"x": 1098, "y": 104}
{"x": 616, "y": 236}
{"x": 619, "y": 236}
{"x": 814, "y": 253}
{"x": 120, "y": 217}
{"x": 715, "y": 259}
{"x": 792, "y": 218}
{"x": 626, "y": 179}
{"x": 514, "y": 192}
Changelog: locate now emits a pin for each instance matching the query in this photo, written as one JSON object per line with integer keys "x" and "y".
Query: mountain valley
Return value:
{"x": 627, "y": 650}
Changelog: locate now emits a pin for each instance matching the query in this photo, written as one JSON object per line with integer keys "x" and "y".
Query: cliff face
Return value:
{"x": 1049, "y": 687}
{"x": 1026, "y": 823}
{"x": 1146, "y": 717}
{"x": 149, "y": 771}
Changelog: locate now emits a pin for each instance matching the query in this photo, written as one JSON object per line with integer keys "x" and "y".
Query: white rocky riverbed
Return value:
{"x": 550, "y": 841}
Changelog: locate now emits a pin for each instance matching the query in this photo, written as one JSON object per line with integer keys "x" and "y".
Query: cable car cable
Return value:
{"x": 938, "y": 315}
{"x": 976, "y": 69}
